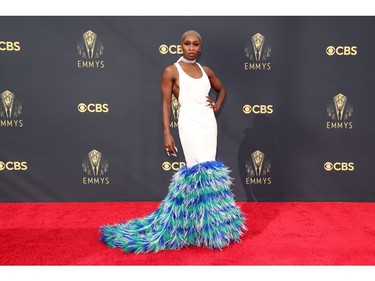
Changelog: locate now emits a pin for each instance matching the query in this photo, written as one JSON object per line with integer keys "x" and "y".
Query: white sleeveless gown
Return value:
{"x": 196, "y": 122}
{"x": 199, "y": 209}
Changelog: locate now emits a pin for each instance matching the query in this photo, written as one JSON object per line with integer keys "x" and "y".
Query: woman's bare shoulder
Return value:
{"x": 170, "y": 70}
{"x": 208, "y": 70}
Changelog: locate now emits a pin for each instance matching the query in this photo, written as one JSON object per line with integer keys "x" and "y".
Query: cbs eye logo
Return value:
{"x": 257, "y": 109}
{"x": 342, "y": 50}
{"x": 175, "y": 166}
{"x": 171, "y": 49}
{"x": 93, "y": 107}
{"x": 339, "y": 166}
{"x": 13, "y": 166}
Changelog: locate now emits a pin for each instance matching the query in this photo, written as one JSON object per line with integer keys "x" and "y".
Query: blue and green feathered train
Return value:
{"x": 199, "y": 210}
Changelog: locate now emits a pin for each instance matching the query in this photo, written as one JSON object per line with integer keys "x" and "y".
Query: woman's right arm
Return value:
{"x": 166, "y": 93}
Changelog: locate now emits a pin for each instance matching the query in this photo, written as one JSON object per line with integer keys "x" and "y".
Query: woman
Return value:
{"x": 199, "y": 209}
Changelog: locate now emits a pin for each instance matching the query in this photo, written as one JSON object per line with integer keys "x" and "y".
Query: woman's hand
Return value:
{"x": 169, "y": 145}
{"x": 215, "y": 106}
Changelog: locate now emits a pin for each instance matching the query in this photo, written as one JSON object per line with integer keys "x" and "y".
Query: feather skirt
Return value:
{"x": 199, "y": 210}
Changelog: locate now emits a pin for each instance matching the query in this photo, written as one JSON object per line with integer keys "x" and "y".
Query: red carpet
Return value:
{"x": 279, "y": 234}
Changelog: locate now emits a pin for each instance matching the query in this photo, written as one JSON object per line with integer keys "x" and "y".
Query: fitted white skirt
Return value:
{"x": 198, "y": 133}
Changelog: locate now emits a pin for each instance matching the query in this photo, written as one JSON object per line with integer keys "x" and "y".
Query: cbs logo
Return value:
{"x": 342, "y": 50}
{"x": 257, "y": 109}
{"x": 13, "y": 166}
{"x": 93, "y": 107}
{"x": 10, "y": 46}
{"x": 339, "y": 166}
{"x": 175, "y": 166}
{"x": 171, "y": 49}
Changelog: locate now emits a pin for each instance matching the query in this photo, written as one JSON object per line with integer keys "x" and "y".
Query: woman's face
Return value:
{"x": 191, "y": 46}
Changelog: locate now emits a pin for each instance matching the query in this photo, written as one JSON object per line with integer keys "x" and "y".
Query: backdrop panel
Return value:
{"x": 80, "y": 108}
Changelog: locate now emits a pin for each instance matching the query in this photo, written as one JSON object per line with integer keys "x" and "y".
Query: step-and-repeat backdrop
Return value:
{"x": 80, "y": 106}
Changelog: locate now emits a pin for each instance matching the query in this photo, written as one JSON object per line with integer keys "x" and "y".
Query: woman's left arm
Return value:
{"x": 218, "y": 86}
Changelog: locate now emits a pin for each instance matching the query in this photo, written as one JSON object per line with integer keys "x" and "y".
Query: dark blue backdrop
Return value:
{"x": 80, "y": 110}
